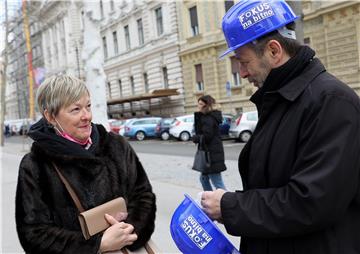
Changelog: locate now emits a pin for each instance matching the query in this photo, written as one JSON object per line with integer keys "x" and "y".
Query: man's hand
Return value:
{"x": 210, "y": 201}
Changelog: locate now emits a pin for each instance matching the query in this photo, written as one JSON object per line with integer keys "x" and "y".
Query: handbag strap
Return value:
{"x": 148, "y": 249}
{"x": 202, "y": 145}
{"x": 69, "y": 189}
{"x": 77, "y": 202}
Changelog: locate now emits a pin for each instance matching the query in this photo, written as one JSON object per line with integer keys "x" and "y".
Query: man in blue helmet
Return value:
{"x": 301, "y": 168}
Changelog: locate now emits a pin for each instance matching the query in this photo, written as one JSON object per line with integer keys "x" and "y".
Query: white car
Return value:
{"x": 122, "y": 126}
{"x": 182, "y": 127}
{"x": 243, "y": 126}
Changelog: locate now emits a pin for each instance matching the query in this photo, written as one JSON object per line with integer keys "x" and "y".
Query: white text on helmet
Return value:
{"x": 255, "y": 15}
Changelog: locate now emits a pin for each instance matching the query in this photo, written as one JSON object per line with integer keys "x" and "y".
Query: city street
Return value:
{"x": 285, "y": 76}
{"x": 167, "y": 163}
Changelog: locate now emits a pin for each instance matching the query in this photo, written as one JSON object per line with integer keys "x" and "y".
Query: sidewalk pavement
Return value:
{"x": 171, "y": 177}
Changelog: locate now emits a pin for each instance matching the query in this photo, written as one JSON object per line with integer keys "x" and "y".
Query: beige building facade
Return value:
{"x": 332, "y": 29}
{"x": 201, "y": 44}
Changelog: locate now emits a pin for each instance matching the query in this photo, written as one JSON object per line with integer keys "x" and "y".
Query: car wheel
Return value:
{"x": 245, "y": 136}
{"x": 140, "y": 135}
{"x": 165, "y": 135}
{"x": 184, "y": 136}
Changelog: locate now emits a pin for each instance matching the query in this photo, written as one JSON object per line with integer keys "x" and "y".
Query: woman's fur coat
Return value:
{"x": 46, "y": 216}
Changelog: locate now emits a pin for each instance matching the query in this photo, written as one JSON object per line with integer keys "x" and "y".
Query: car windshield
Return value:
{"x": 117, "y": 123}
{"x": 168, "y": 121}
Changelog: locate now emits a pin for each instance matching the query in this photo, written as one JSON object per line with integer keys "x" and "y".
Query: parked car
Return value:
{"x": 182, "y": 127}
{"x": 122, "y": 126}
{"x": 162, "y": 128}
{"x": 115, "y": 125}
{"x": 243, "y": 126}
{"x": 141, "y": 128}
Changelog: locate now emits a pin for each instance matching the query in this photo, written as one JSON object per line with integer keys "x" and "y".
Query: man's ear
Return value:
{"x": 276, "y": 53}
{"x": 50, "y": 118}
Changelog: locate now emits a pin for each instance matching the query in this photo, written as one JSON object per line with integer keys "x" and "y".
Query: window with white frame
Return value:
{"x": 140, "y": 31}
{"x": 194, "y": 21}
{"x": 63, "y": 46}
{"x": 127, "y": 37}
{"x": 235, "y": 71}
{"x": 165, "y": 77}
{"x": 159, "y": 21}
{"x": 49, "y": 56}
{"x": 82, "y": 20}
{"x": 120, "y": 88}
{"x": 112, "y": 6}
{"x": 105, "y": 47}
{"x": 132, "y": 83}
{"x": 56, "y": 53}
{"x": 115, "y": 41}
{"x": 101, "y": 9}
{"x": 146, "y": 82}
{"x": 109, "y": 89}
{"x": 199, "y": 78}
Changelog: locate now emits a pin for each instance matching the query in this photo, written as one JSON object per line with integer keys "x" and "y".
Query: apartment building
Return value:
{"x": 332, "y": 28}
{"x": 140, "y": 43}
{"x": 62, "y": 37}
{"x": 201, "y": 44}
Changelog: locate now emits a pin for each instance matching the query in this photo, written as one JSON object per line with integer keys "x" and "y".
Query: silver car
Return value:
{"x": 243, "y": 126}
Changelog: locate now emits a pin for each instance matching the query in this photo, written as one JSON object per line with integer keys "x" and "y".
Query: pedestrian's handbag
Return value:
{"x": 93, "y": 221}
{"x": 202, "y": 160}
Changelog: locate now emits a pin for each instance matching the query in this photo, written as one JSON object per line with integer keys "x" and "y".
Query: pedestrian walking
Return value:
{"x": 207, "y": 135}
{"x": 99, "y": 166}
{"x": 7, "y": 131}
{"x": 301, "y": 167}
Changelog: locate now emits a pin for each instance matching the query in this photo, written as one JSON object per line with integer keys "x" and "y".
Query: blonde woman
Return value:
{"x": 100, "y": 166}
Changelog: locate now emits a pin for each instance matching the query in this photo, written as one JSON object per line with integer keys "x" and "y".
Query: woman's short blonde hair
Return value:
{"x": 59, "y": 91}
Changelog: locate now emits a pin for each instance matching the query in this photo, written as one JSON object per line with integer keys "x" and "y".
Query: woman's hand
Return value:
{"x": 117, "y": 236}
{"x": 196, "y": 139}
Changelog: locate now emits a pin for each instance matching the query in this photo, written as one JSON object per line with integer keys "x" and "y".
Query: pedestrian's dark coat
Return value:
{"x": 46, "y": 216}
{"x": 207, "y": 126}
{"x": 301, "y": 171}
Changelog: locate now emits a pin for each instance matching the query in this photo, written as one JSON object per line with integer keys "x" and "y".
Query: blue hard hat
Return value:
{"x": 250, "y": 19}
{"x": 195, "y": 233}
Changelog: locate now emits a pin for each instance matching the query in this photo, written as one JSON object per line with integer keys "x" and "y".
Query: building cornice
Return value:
{"x": 45, "y": 8}
{"x": 122, "y": 16}
{"x": 47, "y": 18}
{"x": 201, "y": 47}
{"x": 328, "y": 9}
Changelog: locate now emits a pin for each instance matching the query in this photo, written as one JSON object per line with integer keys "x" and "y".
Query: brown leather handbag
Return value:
{"x": 93, "y": 221}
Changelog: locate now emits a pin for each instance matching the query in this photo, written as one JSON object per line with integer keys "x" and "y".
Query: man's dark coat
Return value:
{"x": 301, "y": 171}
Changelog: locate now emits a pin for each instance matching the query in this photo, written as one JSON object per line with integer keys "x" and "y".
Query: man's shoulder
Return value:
{"x": 329, "y": 85}
{"x": 326, "y": 86}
